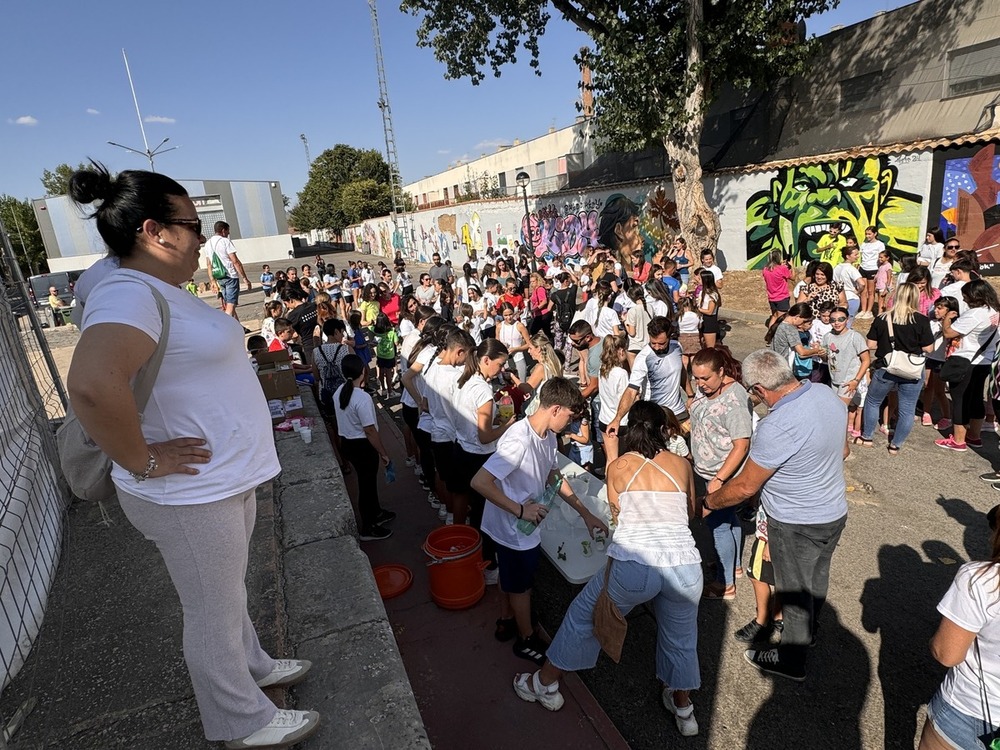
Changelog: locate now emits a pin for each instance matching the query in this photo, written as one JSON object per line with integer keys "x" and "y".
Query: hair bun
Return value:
{"x": 92, "y": 184}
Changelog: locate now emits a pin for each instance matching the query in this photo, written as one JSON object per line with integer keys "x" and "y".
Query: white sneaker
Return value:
{"x": 286, "y": 672}
{"x": 687, "y": 725}
{"x": 528, "y": 688}
{"x": 442, "y": 512}
{"x": 286, "y": 728}
{"x": 492, "y": 576}
{"x": 433, "y": 500}
{"x": 449, "y": 520}
{"x": 410, "y": 461}
{"x": 418, "y": 472}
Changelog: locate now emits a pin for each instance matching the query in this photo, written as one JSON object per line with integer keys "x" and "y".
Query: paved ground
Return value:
{"x": 922, "y": 515}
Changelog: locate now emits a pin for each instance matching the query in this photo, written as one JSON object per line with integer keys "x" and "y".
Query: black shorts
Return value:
{"x": 466, "y": 466}
{"x": 411, "y": 416}
{"x": 710, "y": 324}
{"x": 934, "y": 365}
{"x": 444, "y": 462}
{"x": 780, "y": 306}
{"x": 385, "y": 364}
{"x": 868, "y": 274}
{"x": 760, "y": 569}
{"x": 517, "y": 568}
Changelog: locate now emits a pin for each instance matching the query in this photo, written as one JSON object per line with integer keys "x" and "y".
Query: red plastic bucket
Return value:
{"x": 456, "y": 566}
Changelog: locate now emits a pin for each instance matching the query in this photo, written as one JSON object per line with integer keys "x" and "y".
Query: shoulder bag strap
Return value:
{"x": 984, "y": 695}
{"x": 982, "y": 349}
{"x": 320, "y": 350}
{"x": 892, "y": 341}
{"x": 147, "y": 375}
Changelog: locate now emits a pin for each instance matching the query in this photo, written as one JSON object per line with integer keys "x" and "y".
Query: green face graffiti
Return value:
{"x": 804, "y": 202}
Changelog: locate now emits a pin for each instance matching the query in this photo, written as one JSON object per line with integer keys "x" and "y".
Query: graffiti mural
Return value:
{"x": 969, "y": 209}
{"x": 801, "y": 203}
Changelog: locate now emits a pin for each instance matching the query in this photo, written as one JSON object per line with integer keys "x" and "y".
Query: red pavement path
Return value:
{"x": 461, "y": 676}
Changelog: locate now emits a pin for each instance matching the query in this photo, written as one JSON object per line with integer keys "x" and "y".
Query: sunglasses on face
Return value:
{"x": 838, "y": 320}
{"x": 193, "y": 224}
{"x": 952, "y": 247}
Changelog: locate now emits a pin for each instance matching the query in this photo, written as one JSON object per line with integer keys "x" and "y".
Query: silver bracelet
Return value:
{"x": 150, "y": 468}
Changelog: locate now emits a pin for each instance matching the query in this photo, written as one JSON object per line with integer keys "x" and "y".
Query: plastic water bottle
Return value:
{"x": 547, "y": 500}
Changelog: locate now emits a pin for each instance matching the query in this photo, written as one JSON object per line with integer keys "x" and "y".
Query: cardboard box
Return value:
{"x": 276, "y": 376}
{"x": 285, "y": 408}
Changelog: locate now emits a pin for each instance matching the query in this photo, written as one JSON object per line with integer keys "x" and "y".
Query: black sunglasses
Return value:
{"x": 952, "y": 247}
{"x": 194, "y": 224}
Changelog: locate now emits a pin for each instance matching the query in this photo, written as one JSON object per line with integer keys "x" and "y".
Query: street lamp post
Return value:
{"x": 522, "y": 180}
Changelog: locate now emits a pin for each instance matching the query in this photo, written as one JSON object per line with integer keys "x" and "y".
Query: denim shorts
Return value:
{"x": 956, "y": 728}
{"x": 230, "y": 290}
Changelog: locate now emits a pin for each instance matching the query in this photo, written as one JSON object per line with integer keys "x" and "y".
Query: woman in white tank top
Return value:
{"x": 652, "y": 557}
{"x": 512, "y": 333}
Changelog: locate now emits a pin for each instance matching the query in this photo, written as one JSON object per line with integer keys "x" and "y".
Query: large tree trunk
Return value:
{"x": 699, "y": 223}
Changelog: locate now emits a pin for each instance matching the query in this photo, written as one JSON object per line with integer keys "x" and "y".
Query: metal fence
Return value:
{"x": 33, "y": 496}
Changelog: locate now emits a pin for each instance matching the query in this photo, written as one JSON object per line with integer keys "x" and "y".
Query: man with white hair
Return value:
{"x": 796, "y": 463}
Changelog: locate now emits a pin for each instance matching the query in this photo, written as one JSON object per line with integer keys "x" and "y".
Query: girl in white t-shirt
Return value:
{"x": 612, "y": 384}
{"x": 515, "y": 337}
{"x": 688, "y": 329}
{"x": 361, "y": 445}
{"x": 967, "y": 705}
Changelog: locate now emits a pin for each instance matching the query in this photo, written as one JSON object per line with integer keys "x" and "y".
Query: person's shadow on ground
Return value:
{"x": 975, "y": 530}
{"x": 905, "y": 620}
{"x": 825, "y": 710}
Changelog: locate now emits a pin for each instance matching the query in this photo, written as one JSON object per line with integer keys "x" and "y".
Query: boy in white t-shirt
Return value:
{"x": 512, "y": 480}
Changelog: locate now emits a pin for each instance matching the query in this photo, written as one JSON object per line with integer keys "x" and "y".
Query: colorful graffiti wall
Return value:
{"x": 800, "y": 204}
{"x": 565, "y": 226}
{"x": 966, "y": 186}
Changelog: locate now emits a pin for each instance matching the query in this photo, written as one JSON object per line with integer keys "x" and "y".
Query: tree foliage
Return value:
{"x": 323, "y": 203}
{"x": 19, "y": 221}
{"x": 56, "y": 181}
{"x": 657, "y": 65}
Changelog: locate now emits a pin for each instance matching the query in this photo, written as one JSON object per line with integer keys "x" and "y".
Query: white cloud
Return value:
{"x": 92, "y": 111}
{"x": 23, "y": 120}
{"x": 492, "y": 143}
{"x": 444, "y": 151}
{"x": 159, "y": 118}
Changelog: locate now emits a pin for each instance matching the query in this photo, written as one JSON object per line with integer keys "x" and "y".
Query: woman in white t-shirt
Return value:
{"x": 361, "y": 444}
{"x": 187, "y": 471}
{"x": 977, "y": 329}
{"x": 941, "y": 269}
{"x": 967, "y": 705}
{"x": 637, "y": 321}
{"x": 931, "y": 251}
{"x": 606, "y": 320}
{"x": 612, "y": 384}
{"x": 848, "y": 276}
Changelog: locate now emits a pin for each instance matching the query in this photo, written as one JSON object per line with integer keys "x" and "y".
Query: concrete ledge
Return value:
{"x": 747, "y": 317}
{"x": 334, "y": 614}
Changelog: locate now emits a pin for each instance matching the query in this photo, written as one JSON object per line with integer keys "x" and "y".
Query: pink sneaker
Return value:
{"x": 950, "y": 444}
{"x": 854, "y": 433}
{"x": 944, "y": 424}
{"x": 927, "y": 420}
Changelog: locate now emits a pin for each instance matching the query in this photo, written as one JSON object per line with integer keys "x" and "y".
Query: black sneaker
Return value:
{"x": 506, "y": 629}
{"x": 779, "y": 628}
{"x": 753, "y": 632}
{"x": 769, "y": 661}
{"x": 991, "y": 477}
{"x": 375, "y": 534}
{"x": 530, "y": 648}
{"x": 385, "y": 516}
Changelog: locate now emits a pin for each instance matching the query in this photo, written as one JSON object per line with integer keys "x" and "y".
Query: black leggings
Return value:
{"x": 365, "y": 460}
{"x": 967, "y": 397}
{"x": 468, "y": 465}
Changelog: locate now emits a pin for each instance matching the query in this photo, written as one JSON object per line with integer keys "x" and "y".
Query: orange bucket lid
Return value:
{"x": 392, "y": 580}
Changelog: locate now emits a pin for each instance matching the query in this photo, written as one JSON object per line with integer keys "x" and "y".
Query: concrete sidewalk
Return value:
{"x": 461, "y": 676}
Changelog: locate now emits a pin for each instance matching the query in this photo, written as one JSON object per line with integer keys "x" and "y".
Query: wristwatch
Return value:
{"x": 150, "y": 468}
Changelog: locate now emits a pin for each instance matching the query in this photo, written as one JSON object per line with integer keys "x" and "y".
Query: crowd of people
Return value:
{"x": 616, "y": 359}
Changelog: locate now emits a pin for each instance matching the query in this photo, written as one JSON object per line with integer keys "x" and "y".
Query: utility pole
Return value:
{"x": 399, "y": 218}
{"x": 147, "y": 152}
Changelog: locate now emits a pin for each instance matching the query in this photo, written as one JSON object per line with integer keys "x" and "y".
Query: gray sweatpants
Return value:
{"x": 206, "y": 548}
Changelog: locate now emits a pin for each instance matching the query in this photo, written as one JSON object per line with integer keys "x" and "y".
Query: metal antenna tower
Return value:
{"x": 305, "y": 142}
{"x": 399, "y": 218}
{"x": 147, "y": 152}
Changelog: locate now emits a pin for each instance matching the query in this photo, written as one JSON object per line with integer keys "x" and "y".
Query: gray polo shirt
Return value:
{"x": 802, "y": 439}
{"x": 658, "y": 378}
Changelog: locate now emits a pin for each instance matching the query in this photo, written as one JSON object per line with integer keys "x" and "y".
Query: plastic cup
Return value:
{"x": 296, "y": 424}
{"x": 306, "y": 433}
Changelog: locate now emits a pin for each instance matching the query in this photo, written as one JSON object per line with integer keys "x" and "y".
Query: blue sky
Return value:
{"x": 234, "y": 83}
